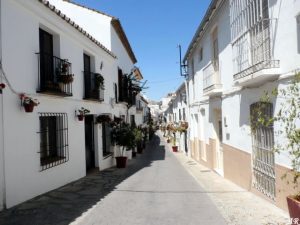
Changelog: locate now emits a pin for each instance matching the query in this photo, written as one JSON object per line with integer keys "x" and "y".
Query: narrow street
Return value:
{"x": 153, "y": 189}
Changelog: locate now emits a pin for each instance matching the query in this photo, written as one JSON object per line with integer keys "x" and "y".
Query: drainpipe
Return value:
{"x": 2, "y": 153}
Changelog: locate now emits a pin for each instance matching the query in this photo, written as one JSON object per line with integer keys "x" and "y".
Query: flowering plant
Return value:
{"x": 28, "y": 100}
{"x": 83, "y": 111}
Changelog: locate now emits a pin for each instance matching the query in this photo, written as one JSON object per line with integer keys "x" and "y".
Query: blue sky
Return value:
{"x": 154, "y": 29}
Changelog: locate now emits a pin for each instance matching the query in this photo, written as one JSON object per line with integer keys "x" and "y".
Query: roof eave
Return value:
{"x": 115, "y": 22}
{"x": 200, "y": 28}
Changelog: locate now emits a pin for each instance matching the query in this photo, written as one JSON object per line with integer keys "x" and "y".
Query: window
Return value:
{"x": 200, "y": 56}
{"x": 120, "y": 84}
{"x": 215, "y": 49}
{"x": 183, "y": 114}
{"x": 179, "y": 114}
{"x": 132, "y": 120}
{"x": 53, "y": 139}
{"x": 55, "y": 74}
{"x": 106, "y": 139}
{"x": 116, "y": 92}
{"x": 92, "y": 86}
{"x": 192, "y": 68}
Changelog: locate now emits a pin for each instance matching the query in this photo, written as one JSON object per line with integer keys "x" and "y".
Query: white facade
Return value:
{"x": 20, "y": 132}
{"x": 235, "y": 56}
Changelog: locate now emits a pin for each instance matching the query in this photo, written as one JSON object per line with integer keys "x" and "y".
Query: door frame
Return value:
{"x": 219, "y": 157}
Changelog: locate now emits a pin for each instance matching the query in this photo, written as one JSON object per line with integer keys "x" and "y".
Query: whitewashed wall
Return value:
{"x": 98, "y": 25}
{"x": 21, "y": 141}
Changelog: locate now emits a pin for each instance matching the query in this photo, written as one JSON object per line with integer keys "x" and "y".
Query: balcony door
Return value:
{"x": 87, "y": 74}
{"x": 46, "y": 59}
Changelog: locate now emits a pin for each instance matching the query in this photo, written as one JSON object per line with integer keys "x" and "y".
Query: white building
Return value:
{"x": 177, "y": 113}
{"x": 50, "y": 147}
{"x": 241, "y": 49}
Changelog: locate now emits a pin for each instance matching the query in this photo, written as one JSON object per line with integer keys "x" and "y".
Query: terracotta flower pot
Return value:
{"x": 175, "y": 148}
{"x": 28, "y": 107}
{"x": 294, "y": 208}
{"x": 80, "y": 117}
{"x": 168, "y": 140}
{"x": 121, "y": 161}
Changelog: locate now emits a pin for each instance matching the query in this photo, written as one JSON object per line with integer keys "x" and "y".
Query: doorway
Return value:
{"x": 219, "y": 134}
{"x": 89, "y": 142}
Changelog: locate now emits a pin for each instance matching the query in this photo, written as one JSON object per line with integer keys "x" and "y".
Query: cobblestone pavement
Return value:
{"x": 237, "y": 206}
{"x": 153, "y": 189}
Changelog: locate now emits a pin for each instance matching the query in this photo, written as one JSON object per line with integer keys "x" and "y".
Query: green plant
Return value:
{"x": 83, "y": 111}
{"x": 123, "y": 135}
{"x": 28, "y": 100}
{"x": 99, "y": 81}
{"x": 287, "y": 118}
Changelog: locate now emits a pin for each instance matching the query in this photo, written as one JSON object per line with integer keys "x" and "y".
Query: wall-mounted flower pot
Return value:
{"x": 175, "y": 148}
{"x": 168, "y": 140}
{"x": 121, "y": 161}
{"x": 294, "y": 208}
{"x": 80, "y": 117}
{"x": 28, "y": 107}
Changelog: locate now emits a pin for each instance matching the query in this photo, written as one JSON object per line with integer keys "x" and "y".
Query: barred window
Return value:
{"x": 53, "y": 139}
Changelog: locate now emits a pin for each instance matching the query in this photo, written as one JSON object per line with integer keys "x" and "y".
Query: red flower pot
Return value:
{"x": 294, "y": 208}
{"x": 175, "y": 148}
{"x": 121, "y": 161}
{"x": 28, "y": 107}
{"x": 80, "y": 117}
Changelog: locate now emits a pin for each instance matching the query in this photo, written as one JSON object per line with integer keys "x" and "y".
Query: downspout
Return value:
{"x": 2, "y": 153}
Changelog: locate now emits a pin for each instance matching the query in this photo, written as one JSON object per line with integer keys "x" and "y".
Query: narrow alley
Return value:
{"x": 154, "y": 189}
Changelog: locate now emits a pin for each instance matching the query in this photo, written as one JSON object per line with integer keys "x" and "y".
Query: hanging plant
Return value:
{"x": 28, "y": 103}
{"x": 82, "y": 112}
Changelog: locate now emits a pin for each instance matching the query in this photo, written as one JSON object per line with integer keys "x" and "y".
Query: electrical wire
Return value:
{"x": 2, "y": 73}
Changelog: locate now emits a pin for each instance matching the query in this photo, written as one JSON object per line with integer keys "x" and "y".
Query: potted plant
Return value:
{"x": 64, "y": 67}
{"x": 124, "y": 137}
{"x": 82, "y": 112}
{"x": 287, "y": 119}
{"x": 66, "y": 78}
{"x": 173, "y": 130}
{"x": 138, "y": 134}
{"x": 28, "y": 103}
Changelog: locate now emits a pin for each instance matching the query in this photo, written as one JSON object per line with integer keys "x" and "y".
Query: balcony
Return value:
{"x": 211, "y": 80}
{"x": 92, "y": 89}
{"x": 254, "y": 63}
{"x": 55, "y": 75}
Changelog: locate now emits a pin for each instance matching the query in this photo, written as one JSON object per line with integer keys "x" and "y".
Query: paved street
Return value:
{"x": 153, "y": 189}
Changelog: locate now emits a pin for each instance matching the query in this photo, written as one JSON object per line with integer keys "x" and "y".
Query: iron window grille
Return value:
{"x": 252, "y": 36}
{"x": 54, "y": 148}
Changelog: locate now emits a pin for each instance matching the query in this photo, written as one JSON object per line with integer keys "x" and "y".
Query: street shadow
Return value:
{"x": 63, "y": 205}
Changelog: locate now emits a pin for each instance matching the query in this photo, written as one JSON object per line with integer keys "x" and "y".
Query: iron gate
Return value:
{"x": 262, "y": 146}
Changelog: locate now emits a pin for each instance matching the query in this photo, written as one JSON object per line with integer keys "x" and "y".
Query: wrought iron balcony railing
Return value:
{"x": 211, "y": 79}
{"x": 55, "y": 75}
{"x": 92, "y": 90}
